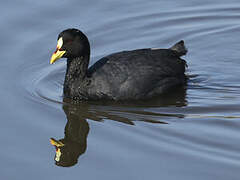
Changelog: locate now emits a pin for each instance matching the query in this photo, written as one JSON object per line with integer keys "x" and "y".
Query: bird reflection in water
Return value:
{"x": 74, "y": 143}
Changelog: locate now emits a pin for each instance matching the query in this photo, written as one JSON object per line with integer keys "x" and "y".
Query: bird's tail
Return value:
{"x": 180, "y": 48}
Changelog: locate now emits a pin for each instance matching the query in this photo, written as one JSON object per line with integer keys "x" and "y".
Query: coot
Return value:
{"x": 135, "y": 74}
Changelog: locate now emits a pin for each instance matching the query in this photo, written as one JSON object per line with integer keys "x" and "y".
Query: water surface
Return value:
{"x": 190, "y": 133}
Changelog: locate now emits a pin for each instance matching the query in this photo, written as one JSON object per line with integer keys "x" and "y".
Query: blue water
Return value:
{"x": 192, "y": 133}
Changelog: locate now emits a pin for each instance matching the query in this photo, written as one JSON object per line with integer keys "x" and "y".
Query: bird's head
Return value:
{"x": 71, "y": 43}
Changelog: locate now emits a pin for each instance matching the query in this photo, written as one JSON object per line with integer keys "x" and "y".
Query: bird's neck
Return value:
{"x": 76, "y": 71}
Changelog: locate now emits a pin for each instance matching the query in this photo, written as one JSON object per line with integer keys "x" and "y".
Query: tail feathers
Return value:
{"x": 180, "y": 48}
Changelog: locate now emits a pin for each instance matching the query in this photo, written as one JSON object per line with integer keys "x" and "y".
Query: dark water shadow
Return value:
{"x": 74, "y": 143}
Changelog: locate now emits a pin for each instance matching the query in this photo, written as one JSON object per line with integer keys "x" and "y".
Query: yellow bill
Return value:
{"x": 58, "y": 53}
{"x": 56, "y": 143}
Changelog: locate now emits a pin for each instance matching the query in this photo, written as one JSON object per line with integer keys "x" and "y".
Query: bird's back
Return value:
{"x": 136, "y": 74}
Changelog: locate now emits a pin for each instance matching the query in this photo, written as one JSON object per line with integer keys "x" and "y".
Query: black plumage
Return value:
{"x": 136, "y": 74}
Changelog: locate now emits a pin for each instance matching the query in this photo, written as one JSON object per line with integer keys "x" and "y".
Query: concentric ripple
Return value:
{"x": 45, "y": 83}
